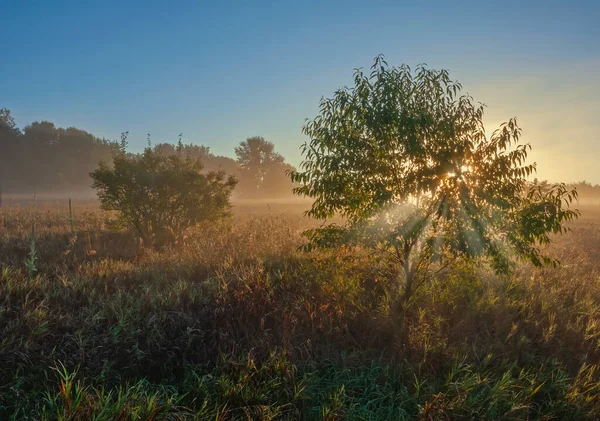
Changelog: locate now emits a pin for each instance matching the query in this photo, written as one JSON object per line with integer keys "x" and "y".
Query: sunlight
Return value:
{"x": 332, "y": 238}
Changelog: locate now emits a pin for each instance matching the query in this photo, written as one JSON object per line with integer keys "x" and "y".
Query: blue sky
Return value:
{"x": 219, "y": 73}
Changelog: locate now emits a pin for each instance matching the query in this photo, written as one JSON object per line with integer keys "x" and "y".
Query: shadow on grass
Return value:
{"x": 161, "y": 315}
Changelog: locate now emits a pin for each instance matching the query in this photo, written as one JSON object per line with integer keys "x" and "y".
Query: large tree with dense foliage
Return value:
{"x": 404, "y": 159}
{"x": 159, "y": 196}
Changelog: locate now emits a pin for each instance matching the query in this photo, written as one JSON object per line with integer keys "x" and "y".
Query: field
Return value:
{"x": 236, "y": 323}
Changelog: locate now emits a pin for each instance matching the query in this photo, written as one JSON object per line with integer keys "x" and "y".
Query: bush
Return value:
{"x": 158, "y": 196}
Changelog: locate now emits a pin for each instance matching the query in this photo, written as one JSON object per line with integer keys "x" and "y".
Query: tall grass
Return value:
{"x": 235, "y": 323}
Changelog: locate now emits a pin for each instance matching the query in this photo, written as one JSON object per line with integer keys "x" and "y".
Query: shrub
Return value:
{"x": 159, "y": 196}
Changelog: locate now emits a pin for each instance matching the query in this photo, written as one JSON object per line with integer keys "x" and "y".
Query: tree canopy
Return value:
{"x": 263, "y": 171}
{"x": 44, "y": 158}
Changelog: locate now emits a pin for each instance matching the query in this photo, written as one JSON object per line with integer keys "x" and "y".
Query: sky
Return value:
{"x": 219, "y": 72}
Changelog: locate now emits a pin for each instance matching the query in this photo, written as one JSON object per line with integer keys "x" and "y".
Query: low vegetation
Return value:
{"x": 236, "y": 323}
{"x": 159, "y": 197}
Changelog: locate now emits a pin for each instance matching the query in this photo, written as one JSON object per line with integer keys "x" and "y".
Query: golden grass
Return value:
{"x": 235, "y": 323}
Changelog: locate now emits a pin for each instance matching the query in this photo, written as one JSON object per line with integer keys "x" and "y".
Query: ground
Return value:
{"x": 235, "y": 323}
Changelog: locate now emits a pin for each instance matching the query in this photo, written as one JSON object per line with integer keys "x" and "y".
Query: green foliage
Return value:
{"x": 159, "y": 196}
{"x": 76, "y": 402}
{"x": 7, "y": 121}
{"x": 237, "y": 325}
{"x": 404, "y": 158}
{"x": 32, "y": 257}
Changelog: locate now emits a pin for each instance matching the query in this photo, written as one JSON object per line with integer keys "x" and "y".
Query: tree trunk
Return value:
{"x": 400, "y": 308}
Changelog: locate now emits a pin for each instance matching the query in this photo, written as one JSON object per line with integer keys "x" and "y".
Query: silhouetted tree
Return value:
{"x": 257, "y": 156}
{"x": 263, "y": 169}
{"x": 193, "y": 151}
{"x": 49, "y": 159}
{"x": 9, "y": 149}
{"x": 210, "y": 162}
{"x": 45, "y": 158}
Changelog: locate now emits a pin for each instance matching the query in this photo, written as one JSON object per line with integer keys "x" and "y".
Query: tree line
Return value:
{"x": 587, "y": 192}
{"x": 42, "y": 158}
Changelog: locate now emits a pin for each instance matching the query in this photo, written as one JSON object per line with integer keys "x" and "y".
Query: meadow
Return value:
{"x": 235, "y": 323}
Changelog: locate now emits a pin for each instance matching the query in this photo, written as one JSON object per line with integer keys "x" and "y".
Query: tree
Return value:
{"x": 7, "y": 121}
{"x": 588, "y": 193}
{"x": 159, "y": 196}
{"x": 193, "y": 151}
{"x": 9, "y": 136}
{"x": 257, "y": 159}
{"x": 209, "y": 161}
{"x": 46, "y": 158}
{"x": 404, "y": 159}
{"x": 276, "y": 182}
{"x": 39, "y": 143}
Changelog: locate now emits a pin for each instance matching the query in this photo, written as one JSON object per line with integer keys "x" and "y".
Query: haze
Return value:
{"x": 299, "y": 210}
{"x": 221, "y": 73}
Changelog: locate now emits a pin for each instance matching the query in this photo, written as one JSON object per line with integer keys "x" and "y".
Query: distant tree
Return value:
{"x": 159, "y": 196}
{"x": 60, "y": 159}
{"x": 7, "y": 121}
{"x": 406, "y": 162}
{"x": 39, "y": 140}
{"x": 222, "y": 163}
{"x": 193, "y": 151}
{"x": 257, "y": 158}
{"x": 588, "y": 192}
{"x": 9, "y": 148}
{"x": 46, "y": 158}
{"x": 276, "y": 182}
{"x": 210, "y": 162}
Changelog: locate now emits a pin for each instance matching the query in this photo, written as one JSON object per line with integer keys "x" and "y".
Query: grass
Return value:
{"x": 235, "y": 323}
